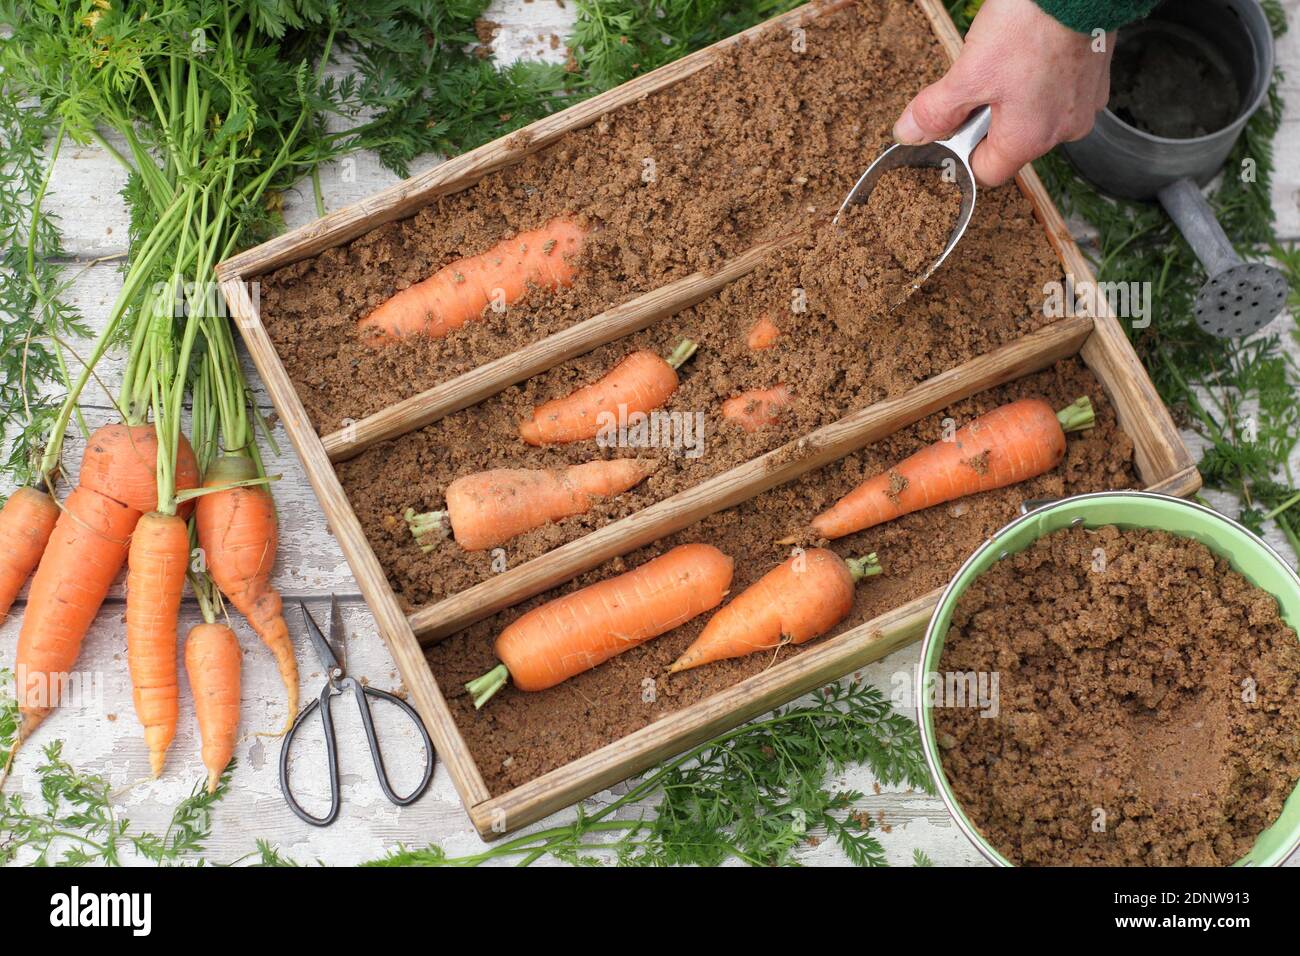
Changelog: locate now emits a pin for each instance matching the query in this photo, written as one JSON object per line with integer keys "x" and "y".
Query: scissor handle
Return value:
{"x": 322, "y": 704}
{"x": 377, "y": 755}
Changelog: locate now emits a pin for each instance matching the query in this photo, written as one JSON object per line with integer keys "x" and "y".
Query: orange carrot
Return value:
{"x": 1012, "y": 443}
{"x": 488, "y": 508}
{"x": 458, "y": 293}
{"x": 796, "y": 601}
{"x": 155, "y": 578}
{"x": 763, "y": 335}
{"x": 212, "y": 659}
{"x": 26, "y": 522}
{"x": 239, "y": 535}
{"x": 121, "y": 462}
{"x": 641, "y": 382}
{"x": 574, "y": 633}
{"x": 757, "y": 408}
{"x": 85, "y": 552}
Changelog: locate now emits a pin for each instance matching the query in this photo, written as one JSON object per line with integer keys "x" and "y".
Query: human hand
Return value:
{"x": 1044, "y": 81}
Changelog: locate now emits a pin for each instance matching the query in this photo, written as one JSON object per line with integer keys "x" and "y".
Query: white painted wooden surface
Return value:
{"x": 103, "y": 735}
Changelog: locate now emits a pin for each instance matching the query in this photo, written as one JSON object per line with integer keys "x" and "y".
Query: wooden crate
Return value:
{"x": 1163, "y": 462}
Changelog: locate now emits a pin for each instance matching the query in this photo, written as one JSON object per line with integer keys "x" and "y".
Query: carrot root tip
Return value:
{"x": 483, "y": 688}
{"x": 684, "y": 350}
{"x": 1077, "y": 416}
{"x": 431, "y": 525}
{"x": 156, "y": 760}
{"x": 214, "y": 781}
{"x": 864, "y": 567}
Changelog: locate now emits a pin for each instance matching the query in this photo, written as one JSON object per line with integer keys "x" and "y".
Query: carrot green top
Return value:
{"x": 1085, "y": 16}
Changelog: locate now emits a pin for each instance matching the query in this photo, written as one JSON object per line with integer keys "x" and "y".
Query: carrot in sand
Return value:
{"x": 458, "y": 293}
{"x": 800, "y": 599}
{"x": 26, "y": 522}
{"x": 488, "y": 508}
{"x": 1010, "y": 444}
{"x": 763, "y": 334}
{"x": 641, "y": 383}
{"x": 757, "y": 408}
{"x": 578, "y": 631}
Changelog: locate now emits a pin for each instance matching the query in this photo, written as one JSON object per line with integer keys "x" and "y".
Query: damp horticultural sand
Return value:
{"x": 1140, "y": 677}
{"x": 777, "y": 151}
{"x": 831, "y": 359}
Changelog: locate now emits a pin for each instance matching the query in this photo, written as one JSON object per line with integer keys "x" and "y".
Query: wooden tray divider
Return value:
{"x": 495, "y": 376}
{"x": 1028, "y": 354}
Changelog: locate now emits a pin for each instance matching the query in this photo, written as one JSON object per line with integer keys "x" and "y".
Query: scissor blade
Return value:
{"x": 336, "y": 622}
{"x": 323, "y": 649}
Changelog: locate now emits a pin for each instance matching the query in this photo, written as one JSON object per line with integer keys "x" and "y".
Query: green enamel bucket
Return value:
{"x": 1244, "y": 551}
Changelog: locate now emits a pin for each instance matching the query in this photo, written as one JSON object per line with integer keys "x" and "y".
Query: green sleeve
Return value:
{"x": 1088, "y": 15}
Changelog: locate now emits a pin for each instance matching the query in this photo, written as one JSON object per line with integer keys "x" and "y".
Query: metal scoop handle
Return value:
{"x": 952, "y": 154}
{"x": 969, "y": 134}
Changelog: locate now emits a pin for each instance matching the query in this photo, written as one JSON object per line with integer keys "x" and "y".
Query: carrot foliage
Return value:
{"x": 757, "y": 794}
{"x": 75, "y": 821}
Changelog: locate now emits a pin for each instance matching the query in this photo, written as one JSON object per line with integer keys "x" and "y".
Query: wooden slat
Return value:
{"x": 405, "y": 198}
{"x": 397, "y": 635}
{"x": 487, "y": 380}
{"x": 1028, "y": 354}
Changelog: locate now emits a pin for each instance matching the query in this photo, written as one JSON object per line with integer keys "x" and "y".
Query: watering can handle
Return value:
{"x": 1195, "y": 219}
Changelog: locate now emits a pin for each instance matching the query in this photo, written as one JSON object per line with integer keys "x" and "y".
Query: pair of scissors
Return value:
{"x": 336, "y": 683}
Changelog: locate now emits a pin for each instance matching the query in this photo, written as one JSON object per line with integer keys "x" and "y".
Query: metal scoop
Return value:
{"x": 953, "y": 156}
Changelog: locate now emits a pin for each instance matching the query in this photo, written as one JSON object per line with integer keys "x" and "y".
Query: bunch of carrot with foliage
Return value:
{"x": 212, "y": 109}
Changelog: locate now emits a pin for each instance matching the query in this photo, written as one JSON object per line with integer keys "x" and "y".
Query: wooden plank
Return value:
{"x": 1031, "y": 353}
{"x": 405, "y": 198}
{"x": 487, "y": 380}
{"x": 427, "y": 699}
